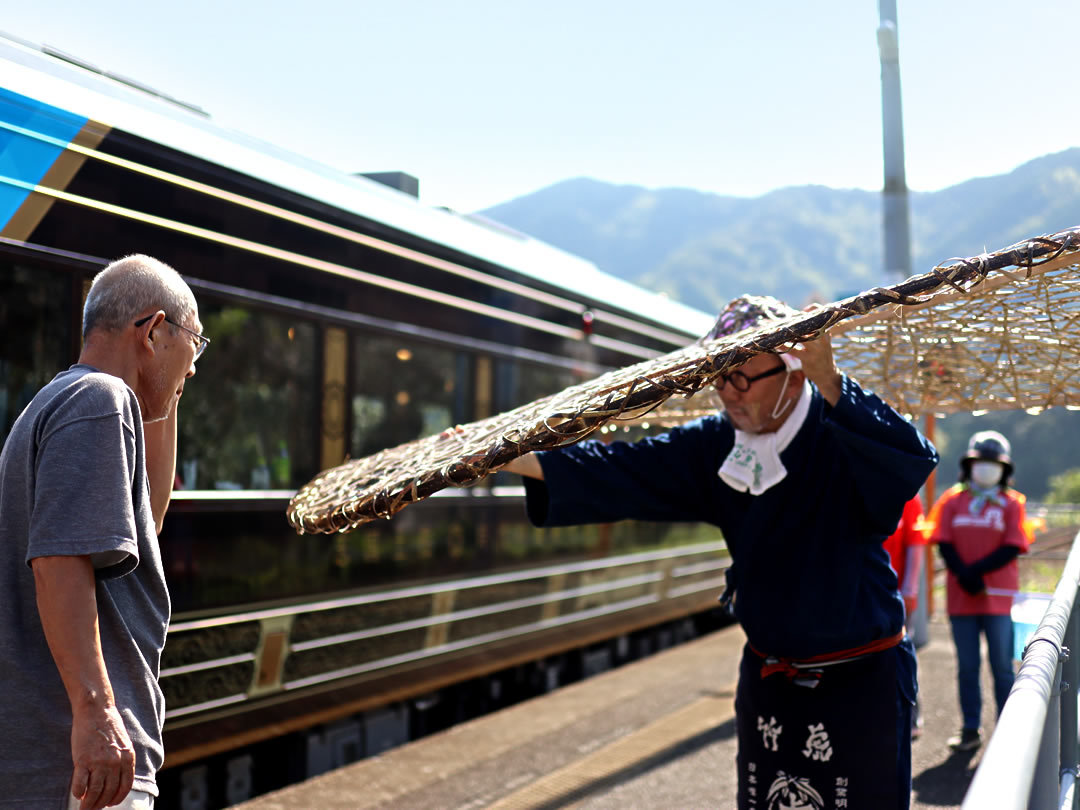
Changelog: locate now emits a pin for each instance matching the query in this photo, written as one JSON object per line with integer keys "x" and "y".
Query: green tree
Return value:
{"x": 1065, "y": 487}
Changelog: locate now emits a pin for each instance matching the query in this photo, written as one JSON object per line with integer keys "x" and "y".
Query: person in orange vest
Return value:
{"x": 907, "y": 551}
{"x": 980, "y": 528}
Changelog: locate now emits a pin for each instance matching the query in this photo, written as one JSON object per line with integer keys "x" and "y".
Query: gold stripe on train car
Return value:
{"x": 335, "y": 363}
{"x": 270, "y": 654}
{"x": 485, "y": 376}
{"x": 556, "y": 583}
{"x": 442, "y": 603}
{"x": 63, "y": 170}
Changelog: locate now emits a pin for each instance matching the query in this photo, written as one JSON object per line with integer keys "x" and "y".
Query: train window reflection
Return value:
{"x": 216, "y": 559}
{"x": 248, "y": 417}
{"x": 517, "y": 383}
{"x": 35, "y": 329}
{"x": 404, "y": 391}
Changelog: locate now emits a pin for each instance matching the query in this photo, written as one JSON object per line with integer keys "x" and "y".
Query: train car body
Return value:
{"x": 345, "y": 317}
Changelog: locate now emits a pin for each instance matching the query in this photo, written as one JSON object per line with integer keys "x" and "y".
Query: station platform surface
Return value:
{"x": 656, "y": 733}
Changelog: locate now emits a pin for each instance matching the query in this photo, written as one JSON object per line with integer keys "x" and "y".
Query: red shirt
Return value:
{"x": 909, "y": 532}
{"x": 976, "y": 535}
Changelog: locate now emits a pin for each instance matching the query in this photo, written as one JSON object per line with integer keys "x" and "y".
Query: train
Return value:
{"x": 346, "y": 317}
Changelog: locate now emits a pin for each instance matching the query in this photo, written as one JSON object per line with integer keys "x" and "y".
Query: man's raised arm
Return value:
{"x": 159, "y": 438}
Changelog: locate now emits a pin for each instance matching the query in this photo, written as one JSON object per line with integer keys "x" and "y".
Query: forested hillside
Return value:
{"x": 796, "y": 243}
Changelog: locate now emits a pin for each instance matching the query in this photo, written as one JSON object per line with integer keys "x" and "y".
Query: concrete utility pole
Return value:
{"x": 897, "y": 229}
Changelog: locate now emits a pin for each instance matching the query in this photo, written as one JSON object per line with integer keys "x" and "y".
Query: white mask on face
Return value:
{"x": 986, "y": 474}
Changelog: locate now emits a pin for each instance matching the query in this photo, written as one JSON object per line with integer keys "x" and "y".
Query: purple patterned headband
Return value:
{"x": 748, "y": 311}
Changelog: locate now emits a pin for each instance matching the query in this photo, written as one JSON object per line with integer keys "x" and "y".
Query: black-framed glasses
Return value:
{"x": 741, "y": 383}
{"x": 201, "y": 341}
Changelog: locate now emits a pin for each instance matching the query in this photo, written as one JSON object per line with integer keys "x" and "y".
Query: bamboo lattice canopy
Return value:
{"x": 995, "y": 331}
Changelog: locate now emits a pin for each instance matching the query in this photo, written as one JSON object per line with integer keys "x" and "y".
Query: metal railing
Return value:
{"x": 439, "y": 622}
{"x": 1031, "y": 759}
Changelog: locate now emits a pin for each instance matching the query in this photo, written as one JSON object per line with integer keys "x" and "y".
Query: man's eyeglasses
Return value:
{"x": 741, "y": 383}
{"x": 201, "y": 341}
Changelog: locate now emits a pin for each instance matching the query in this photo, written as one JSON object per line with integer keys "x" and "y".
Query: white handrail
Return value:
{"x": 1006, "y": 777}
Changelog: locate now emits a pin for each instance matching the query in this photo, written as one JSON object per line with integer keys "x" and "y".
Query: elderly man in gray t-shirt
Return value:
{"x": 85, "y": 478}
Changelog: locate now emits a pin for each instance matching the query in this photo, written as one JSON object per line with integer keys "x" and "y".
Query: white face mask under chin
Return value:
{"x": 986, "y": 474}
{"x": 779, "y": 410}
{"x": 754, "y": 463}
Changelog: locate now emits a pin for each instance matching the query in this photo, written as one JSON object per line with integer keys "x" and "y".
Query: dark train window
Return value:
{"x": 403, "y": 390}
{"x": 35, "y": 335}
{"x": 248, "y": 417}
{"x": 518, "y": 383}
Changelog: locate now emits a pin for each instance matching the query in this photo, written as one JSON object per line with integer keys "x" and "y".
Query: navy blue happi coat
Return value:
{"x": 811, "y": 573}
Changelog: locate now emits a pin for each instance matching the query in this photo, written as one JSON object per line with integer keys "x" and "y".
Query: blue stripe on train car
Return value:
{"x": 24, "y": 158}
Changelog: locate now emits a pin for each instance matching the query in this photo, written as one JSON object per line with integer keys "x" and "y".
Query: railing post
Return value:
{"x": 1044, "y": 785}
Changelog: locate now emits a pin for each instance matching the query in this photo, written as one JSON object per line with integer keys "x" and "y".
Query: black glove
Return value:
{"x": 951, "y": 558}
{"x": 998, "y": 558}
{"x": 971, "y": 581}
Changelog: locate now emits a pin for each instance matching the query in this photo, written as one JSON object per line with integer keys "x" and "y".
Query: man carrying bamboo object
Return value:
{"x": 806, "y": 475}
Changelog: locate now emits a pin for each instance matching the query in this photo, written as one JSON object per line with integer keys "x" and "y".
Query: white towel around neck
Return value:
{"x": 754, "y": 461}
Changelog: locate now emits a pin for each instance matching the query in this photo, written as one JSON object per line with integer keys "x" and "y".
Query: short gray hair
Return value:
{"x": 129, "y": 287}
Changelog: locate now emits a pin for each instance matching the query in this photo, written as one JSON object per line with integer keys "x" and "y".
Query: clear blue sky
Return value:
{"x": 486, "y": 100}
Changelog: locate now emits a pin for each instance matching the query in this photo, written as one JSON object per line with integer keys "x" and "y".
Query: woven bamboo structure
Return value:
{"x": 1000, "y": 330}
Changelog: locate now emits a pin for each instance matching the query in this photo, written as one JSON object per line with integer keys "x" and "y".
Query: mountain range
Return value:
{"x": 816, "y": 243}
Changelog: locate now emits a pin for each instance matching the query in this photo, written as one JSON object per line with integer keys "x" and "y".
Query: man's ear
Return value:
{"x": 796, "y": 380}
{"x": 146, "y": 331}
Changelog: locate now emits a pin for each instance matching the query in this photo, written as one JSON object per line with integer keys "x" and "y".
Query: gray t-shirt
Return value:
{"x": 73, "y": 482}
